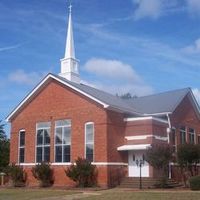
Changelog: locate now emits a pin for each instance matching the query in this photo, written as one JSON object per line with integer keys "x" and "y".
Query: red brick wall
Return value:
{"x": 143, "y": 127}
{"x": 56, "y": 102}
{"x": 115, "y": 137}
{"x": 185, "y": 115}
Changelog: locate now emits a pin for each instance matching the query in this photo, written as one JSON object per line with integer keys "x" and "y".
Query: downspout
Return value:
{"x": 168, "y": 138}
{"x": 169, "y": 128}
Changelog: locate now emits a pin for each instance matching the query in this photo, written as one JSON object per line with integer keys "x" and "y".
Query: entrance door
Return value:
{"x": 133, "y": 169}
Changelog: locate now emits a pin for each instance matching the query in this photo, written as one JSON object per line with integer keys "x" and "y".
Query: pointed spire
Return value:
{"x": 69, "y": 50}
{"x": 69, "y": 64}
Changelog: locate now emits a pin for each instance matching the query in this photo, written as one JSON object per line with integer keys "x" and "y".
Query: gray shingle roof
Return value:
{"x": 152, "y": 104}
{"x": 111, "y": 100}
{"x": 159, "y": 103}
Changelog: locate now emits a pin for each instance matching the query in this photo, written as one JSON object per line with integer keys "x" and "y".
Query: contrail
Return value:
{"x": 11, "y": 47}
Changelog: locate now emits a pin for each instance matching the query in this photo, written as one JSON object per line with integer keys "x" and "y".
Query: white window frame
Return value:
{"x": 42, "y": 145}
{"x": 185, "y": 131}
{"x": 192, "y": 133}
{"x": 62, "y": 144}
{"x": 89, "y": 123}
{"x": 19, "y": 146}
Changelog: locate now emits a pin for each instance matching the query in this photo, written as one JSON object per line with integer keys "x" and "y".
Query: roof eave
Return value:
{"x": 40, "y": 85}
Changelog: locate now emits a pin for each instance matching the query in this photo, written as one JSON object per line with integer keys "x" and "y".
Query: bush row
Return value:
{"x": 82, "y": 172}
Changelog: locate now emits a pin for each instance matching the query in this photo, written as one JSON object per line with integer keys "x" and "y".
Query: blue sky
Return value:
{"x": 137, "y": 46}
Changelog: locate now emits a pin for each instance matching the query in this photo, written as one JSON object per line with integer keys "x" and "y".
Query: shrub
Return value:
{"x": 159, "y": 157}
{"x": 17, "y": 175}
{"x": 195, "y": 183}
{"x": 44, "y": 174}
{"x": 83, "y": 173}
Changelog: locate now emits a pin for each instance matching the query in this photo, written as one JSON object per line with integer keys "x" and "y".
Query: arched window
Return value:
{"x": 21, "y": 146}
{"x": 43, "y": 142}
{"x": 89, "y": 141}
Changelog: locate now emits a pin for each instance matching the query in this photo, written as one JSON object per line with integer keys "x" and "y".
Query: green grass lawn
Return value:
{"x": 29, "y": 194}
{"x": 113, "y": 194}
{"x": 146, "y": 195}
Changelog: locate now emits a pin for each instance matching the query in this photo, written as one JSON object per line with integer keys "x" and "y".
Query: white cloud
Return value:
{"x": 193, "y": 49}
{"x": 196, "y": 93}
{"x": 111, "y": 68}
{"x": 193, "y": 6}
{"x": 21, "y": 77}
{"x": 148, "y": 8}
{"x": 116, "y": 77}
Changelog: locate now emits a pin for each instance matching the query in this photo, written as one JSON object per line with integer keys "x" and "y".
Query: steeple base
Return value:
{"x": 71, "y": 77}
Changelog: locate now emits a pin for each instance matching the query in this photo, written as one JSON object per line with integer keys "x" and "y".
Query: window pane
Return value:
{"x": 67, "y": 135}
{"x": 63, "y": 123}
{"x": 42, "y": 125}
{"x": 58, "y": 154}
{"x": 191, "y": 136}
{"x": 58, "y": 135}
{"x": 182, "y": 137}
{"x": 39, "y": 137}
{"x": 66, "y": 156}
{"x": 39, "y": 154}
{"x": 173, "y": 136}
{"x": 22, "y": 138}
{"x": 46, "y": 136}
{"x": 21, "y": 155}
{"x": 89, "y": 133}
{"x": 89, "y": 152}
{"x": 46, "y": 154}
{"x": 182, "y": 128}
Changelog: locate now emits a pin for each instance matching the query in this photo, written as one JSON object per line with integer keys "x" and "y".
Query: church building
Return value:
{"x": 62, "y": 119}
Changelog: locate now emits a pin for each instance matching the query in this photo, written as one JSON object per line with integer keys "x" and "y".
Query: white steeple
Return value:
{"x": 69, "y": 64}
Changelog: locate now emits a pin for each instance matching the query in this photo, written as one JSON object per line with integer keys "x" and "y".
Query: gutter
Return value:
{"x": 169, "y": 128}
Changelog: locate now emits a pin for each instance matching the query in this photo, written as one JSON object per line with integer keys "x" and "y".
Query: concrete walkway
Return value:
{"x": 73, "y": 196}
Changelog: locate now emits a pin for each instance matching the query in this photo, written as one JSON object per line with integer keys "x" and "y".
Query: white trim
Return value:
{"x": 69, "y": 163}
{"x": 195, "y": 101}
{"x": 143, "y": 137}
{"x": 41, "y": 83}
{"x": 21, "y": 147}
{"x": 28, "y": 164}
{"x": 109, "y": 163}
{"x": 61, "y": 164}
{"x": 134, "y": 147}
{"x": 88, "y": 123}
{"x": 145, "y": 118}
{"x": 154, "y": 114}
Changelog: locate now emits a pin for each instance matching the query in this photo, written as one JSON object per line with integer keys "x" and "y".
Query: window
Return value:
{"x": 43, "y": 142}
{"x": 62, "y": 140}
{"x": 182, "y": 135}
{"x": 198, "y": 139}
{"x": 89, "y": 141}
{"x": 21, "y": 146}
{"x": 173, "y": 139}
{"x": 191, "y": 136}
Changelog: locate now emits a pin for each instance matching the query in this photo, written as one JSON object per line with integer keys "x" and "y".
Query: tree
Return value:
{"x": 188, "y": 156}
{"x": 2, "y": 132}
{"x": 127, "y": 95}
{"x": 4, "y": 148}
{"x": 159, "y": 156}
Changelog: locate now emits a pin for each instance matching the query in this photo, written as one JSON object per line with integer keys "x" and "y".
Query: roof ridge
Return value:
{"x": 160, "y": 93}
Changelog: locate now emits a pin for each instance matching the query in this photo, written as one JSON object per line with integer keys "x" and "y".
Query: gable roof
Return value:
{"x": 157, "y": 104}
{"x": 165, "y": 102}
{"x": 105, "y": 99}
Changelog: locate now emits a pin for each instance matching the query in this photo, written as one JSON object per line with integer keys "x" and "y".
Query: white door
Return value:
{"x": 133, "y": 168}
